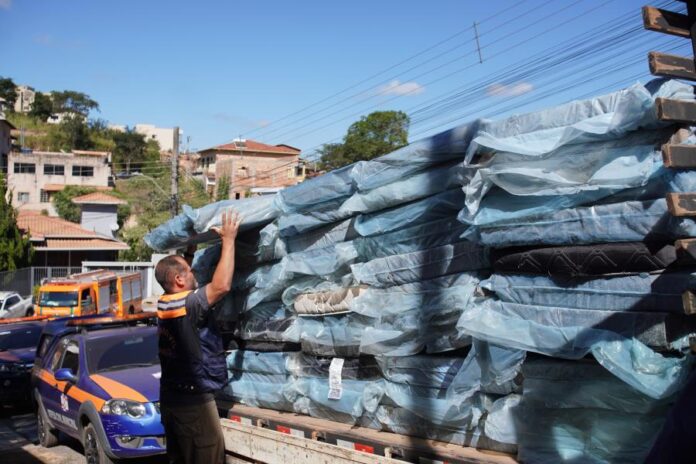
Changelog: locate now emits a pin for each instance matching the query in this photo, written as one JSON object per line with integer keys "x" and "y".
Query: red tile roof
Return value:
{"x": 40, "y": 226}
{"x": 88, "y": 244}
{"x": 255, "y": 147}
{"x": 56, "y": 234}
{"x": 98, "y": 198}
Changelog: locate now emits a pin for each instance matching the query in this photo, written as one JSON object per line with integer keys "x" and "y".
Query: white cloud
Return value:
{"x": 397, "y": 88}
{"x": 5, "y": 4}
{"x": 511, "y": 90}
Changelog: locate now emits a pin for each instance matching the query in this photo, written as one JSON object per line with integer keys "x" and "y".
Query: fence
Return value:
{"x": 23, "y": 280}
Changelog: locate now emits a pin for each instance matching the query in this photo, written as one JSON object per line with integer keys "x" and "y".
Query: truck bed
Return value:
{"x": 273, "y": 437}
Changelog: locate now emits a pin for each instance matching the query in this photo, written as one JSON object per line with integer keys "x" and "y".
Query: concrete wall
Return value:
{"x": 33, "y": 184}
{"x": 164, "y": 136}
{"x": 102, "y": 219}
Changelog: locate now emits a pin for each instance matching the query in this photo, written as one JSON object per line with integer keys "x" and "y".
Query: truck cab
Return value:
{"x": 94, "y": 292}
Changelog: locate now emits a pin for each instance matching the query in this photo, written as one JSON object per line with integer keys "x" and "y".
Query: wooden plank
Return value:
{"x": 679, "y": 156}
{"x": 681, "y": 204}
{"x": 667, "y": 22}
{"x": 689, "y": 302}
{"x": 680, "y": 111}
{"x": 679, "y": 67}
{"x": 387, "y": 439}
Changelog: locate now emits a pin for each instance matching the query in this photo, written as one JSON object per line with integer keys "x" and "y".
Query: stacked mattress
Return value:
{"x": 510, "y": 285}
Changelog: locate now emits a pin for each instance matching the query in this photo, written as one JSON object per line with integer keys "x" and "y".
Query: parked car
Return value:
{"x": 13, "y": 305}
{"x": 99, "y": 384}
{"x": 18, "y": 343}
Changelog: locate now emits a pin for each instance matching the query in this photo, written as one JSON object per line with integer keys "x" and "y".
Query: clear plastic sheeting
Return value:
{"x": 630, "y": 221}
{"x": 362, "y": 368}
{"x": 440, "y": 206}
{"x": 315, "y": 193}
{"x": 570, "y": 170}
{"x": 659, "y": 292}
{"x": 419, "y": 185}
{"x": 274, "y": 363}
{"x": 268, "y": 322}
{"x": 319, "y": 238}
{"x": 414, "y": 157}
{"x": 582, "y": 121}
{"x": 421, "y": 265}
{"x": 329, "y": 302}
{"x": 550, "y": 436}
{"x": 573, "y": 334}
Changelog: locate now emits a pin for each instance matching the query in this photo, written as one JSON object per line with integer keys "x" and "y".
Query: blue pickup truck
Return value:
{"x": 17, "y": 350}
{"x": 99, "y": 383}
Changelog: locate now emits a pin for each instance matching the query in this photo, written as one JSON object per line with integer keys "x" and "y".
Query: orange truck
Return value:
{"x": 94, "y": 292}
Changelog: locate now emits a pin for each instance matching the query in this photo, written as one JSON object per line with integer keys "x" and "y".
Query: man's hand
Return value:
{"x": 229, "y": 227}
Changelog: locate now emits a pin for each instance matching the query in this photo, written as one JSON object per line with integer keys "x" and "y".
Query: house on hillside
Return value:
{"x": 25, "y": 98}
{"x": 99, "y": 212}
{"x": 58, "y": 242}
{"x": 248, "y": 165}
{"x": 33, "y": 178}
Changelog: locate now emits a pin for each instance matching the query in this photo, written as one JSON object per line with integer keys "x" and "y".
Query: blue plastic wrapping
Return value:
{"x": 571, "y": 333}
{"x": 319, "y": 238}
{"x": 314, "y": 193}
{"x": 660, "y": 292}
{"x": 417, "y": 156}
{"x": 601, "y": 118}
{"x": 421, "y": 265}
{"x": 420, "y": 185}
{"x": 273, "y": 363}
{"x": 271, "y": 322}
{"x": 358, "y": 398}
{"x": 443, "y": 205}
{"x": 172, "y": 234}
{"x": 630, "y": 221}
{"x": 571, "y": 170}
{"x": 292, "y": 224}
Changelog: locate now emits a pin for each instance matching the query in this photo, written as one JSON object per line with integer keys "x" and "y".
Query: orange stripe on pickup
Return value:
{"x": 117, "y": 389}
{"x": 172, "y": 313}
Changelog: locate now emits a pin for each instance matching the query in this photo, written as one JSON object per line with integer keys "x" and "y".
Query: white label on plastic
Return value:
{"x": 335, "y": 387}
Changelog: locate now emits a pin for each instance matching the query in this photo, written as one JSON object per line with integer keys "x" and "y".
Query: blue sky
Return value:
{"x": 220, "y": 69}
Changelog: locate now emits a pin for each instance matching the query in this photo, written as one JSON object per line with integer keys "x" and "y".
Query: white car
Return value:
{"x": 13, "y": 305}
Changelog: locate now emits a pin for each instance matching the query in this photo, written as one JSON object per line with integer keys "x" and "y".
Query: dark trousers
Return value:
{"x": 193, "y": 433}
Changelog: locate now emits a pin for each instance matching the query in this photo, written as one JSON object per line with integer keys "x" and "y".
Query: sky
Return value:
{"x": 300, "y": 72}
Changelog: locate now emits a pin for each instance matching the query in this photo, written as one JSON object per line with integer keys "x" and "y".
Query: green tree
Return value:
{"x": 71, "y": 134}
{"x": 373, "y": 135}
{"x": 130, "y": 148}
{"x": 70, "y": 101}
{"x": 42, "y": 108}
{"x": 8, "y": 91}
{"x": 65, "y": 208}
{"x": 223, "y": 188}
{"x": 15, "y": 248}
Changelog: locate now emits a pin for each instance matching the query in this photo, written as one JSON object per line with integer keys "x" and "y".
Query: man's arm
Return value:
{"x": 222, "y": 278}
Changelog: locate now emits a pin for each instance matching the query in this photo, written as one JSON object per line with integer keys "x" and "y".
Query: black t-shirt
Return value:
{"x": 197, "y": 309}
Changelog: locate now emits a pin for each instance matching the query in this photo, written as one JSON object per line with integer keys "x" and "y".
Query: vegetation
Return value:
{"x": 373, "y": 135}
{"x": 15, "y": 249}
{"x": 223, "y": 189}
{"x": 8, "y": 92}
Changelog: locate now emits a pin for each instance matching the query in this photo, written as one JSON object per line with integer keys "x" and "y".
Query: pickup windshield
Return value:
{"x": 125, "y": 350}
{"x": 56, "y": 299}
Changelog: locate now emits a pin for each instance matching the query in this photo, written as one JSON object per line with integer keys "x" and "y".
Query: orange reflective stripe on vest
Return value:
{"x": 172, "y": 306}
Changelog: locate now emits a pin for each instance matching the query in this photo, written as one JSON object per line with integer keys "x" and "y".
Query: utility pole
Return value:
{"x": 174, "y": 203}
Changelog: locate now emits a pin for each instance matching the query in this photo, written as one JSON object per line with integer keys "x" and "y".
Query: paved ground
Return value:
{"x": 19, "y": 442}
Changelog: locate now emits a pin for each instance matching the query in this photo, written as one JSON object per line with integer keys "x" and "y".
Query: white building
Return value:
{"x": 25, "y": 98}
{"x": 163, "y": 135}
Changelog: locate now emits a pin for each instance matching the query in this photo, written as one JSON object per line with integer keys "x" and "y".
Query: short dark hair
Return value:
{"x": 167, "y": 269}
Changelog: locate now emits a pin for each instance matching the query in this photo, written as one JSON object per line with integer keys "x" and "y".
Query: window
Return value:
{"x": 23, "y": 197}
{"x": 136, "y": 289}
{"x": 44, "y": 197}
{"x": 54, "y": 170}
{"x": 24, "y": 168}
{"x": 83, "y": 171}
{"x": 11, "y": 301}
{"x": 71, "y": 358}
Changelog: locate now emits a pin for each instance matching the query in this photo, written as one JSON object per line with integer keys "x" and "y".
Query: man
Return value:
{"x": 192, "y": 354}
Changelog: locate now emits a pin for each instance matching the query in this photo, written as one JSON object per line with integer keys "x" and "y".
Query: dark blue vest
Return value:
{"x": 191, "y": 352}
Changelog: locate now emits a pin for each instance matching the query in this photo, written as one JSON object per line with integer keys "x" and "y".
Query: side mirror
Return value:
{"x": 65, "y": 375}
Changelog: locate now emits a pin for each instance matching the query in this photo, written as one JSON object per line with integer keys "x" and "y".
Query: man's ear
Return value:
{"x": 179, "y": 280}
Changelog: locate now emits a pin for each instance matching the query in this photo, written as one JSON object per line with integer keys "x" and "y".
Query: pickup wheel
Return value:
{"x": 47, "y": 436}
{"x": 94, "y": 450}
{"x": 30, "y": 312}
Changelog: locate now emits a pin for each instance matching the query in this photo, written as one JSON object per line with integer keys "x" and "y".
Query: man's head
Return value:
{"x": 174, "y": 275}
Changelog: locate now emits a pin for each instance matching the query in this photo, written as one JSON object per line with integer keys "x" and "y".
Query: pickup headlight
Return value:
{"x": 118, "y": 407}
